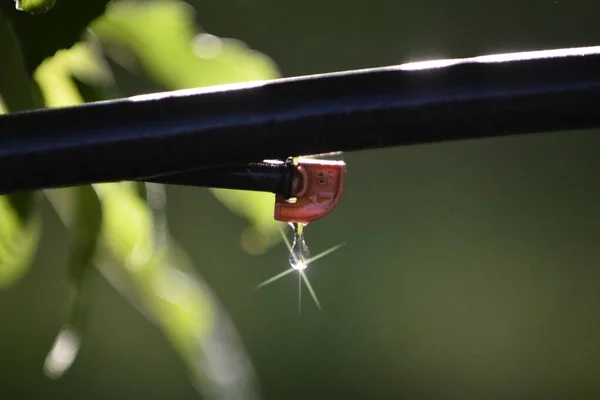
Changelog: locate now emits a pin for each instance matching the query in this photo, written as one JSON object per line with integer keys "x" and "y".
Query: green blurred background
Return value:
{"x": 470, "y": 270}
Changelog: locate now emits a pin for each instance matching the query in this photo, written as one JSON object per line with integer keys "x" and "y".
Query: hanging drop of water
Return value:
{"x": 299, "y": 254}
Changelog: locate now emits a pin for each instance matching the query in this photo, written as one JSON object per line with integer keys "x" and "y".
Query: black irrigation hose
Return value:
{"x": 260, "y": 177}
{"x": 157, "y": 135}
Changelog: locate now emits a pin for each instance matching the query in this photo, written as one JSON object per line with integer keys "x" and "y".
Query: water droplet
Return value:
{"x": 299, "y": 254}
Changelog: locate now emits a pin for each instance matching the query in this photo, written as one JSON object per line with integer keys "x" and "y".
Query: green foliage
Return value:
{"x": 84, "y": 225}
{"x": 113, "y": 227}
{"x": 257, "y": 207}
{"x": 34, "y": 6}
{"x": 162, "y": 37}
{"x": 81, "y": 211}
{"x": 152, "y": 30}
{"x": 145, "y": 264}
{"x": 42, "y": 35}
{"x": 57, "y": 76}
{"x": 19, "y": 235}
{"x": 15, "y": 87}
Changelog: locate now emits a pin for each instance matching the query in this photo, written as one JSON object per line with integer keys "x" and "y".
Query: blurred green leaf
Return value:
{"x": 127, "y": 223}
{"x": 78, "y": 207}
{"x": 93, "y": 91}
{"x": 56, "y": 76}
{"x": 20, "y": 226}
{"x": 163, "y": 38}
{"x": 15, "y": 88}
{"x": 75, "y": 75}
{"x": 162, "y": 279}
{"x": 157, "y": 277}
{"x": 34, "y": 6}
{"x": 83, "y": 228}
{"x": 128, "y": 237}
{"x": 258, "y": 208}
{"x": 41, "y": 36}
{"x": 80, "y": 210}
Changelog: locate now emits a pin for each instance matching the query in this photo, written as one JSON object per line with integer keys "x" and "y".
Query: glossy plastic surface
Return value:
{"x": 317, "y": 187}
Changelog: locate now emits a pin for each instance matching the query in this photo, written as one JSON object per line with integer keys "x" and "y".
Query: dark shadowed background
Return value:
{"x": 471, "y": 269}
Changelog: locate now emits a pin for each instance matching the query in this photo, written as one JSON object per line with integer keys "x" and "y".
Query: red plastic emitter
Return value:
{"x": 317, "y": 186}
